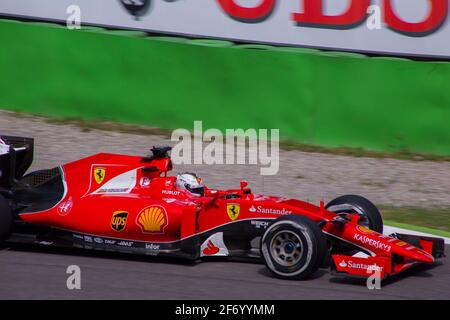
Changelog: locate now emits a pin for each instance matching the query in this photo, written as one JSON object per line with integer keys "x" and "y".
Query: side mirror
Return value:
{"x": 244, "y": 184}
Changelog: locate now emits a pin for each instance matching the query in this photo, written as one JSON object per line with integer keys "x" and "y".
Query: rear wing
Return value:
{"x": 16, "y": 157}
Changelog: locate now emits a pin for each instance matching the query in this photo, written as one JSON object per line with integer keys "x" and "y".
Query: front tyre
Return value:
{"x": 6, "y": 219}
{"x": 293, "y": 247}
{"x": 370, "y": 215}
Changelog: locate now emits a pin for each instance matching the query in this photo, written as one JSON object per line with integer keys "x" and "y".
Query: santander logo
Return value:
{"x": 210, "y": 249}
{"x": 214, "y": 246}
{"x": 261, "y": 209}
{"x": 361, "y": 266}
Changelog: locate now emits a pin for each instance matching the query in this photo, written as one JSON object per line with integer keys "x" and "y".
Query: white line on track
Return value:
{"x": 389, "y": 230}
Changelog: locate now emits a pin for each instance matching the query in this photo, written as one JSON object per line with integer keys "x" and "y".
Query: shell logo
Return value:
{"x": 401, "y": 243}
{"x": 365, "y": 230}
{"x": 152, "y": 219}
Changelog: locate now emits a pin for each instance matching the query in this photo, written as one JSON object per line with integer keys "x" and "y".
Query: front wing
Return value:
{"x": 384, "y": 266}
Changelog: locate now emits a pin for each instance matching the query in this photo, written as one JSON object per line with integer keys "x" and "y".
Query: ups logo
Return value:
{"x": 119, "y": 220}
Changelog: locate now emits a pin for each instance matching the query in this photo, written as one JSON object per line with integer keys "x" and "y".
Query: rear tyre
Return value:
{"x": 293, "y": 247}
{"x": 6, "y": 220}
{"x": 370, "y": 215}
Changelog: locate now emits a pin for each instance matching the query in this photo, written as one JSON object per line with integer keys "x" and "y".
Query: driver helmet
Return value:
{"x": 190, "y": 182}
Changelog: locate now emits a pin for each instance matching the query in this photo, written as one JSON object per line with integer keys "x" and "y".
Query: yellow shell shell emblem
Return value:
{"x": 152, "y": 219}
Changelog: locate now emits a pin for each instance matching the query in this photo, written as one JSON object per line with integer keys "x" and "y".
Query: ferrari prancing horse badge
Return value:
{"x": 233, "y": 210}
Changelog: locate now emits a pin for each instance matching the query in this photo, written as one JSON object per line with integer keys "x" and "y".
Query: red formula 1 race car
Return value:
{"x": 130, "y": 204}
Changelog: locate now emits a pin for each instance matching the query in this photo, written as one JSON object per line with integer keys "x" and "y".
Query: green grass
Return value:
{"x": 433, "y": 220}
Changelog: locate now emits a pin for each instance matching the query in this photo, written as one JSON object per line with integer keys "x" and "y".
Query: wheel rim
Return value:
{"x": 286, "y": 248}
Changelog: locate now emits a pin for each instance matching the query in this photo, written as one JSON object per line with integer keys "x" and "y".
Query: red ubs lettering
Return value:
{"x": 355, "y": 14}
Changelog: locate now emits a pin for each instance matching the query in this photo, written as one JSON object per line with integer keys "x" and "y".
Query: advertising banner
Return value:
{"x": 401, "y": 27}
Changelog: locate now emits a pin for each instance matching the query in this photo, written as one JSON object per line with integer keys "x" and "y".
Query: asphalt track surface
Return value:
{"x": 40, "y": 273}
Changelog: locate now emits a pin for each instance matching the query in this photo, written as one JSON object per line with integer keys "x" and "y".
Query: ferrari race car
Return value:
{"x": 130, "y": 204}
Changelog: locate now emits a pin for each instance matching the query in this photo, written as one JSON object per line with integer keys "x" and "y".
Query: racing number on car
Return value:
{"x": 233, "y": 210}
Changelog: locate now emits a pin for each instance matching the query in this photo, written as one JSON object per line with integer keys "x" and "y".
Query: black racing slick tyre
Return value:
{"x": 370, "y": 215}
{"x": 293, "y": 247}
{"x": 6, "y": 219}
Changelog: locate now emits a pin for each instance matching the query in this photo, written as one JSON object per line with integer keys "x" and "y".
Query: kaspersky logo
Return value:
{"x": 373, "y": 243}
